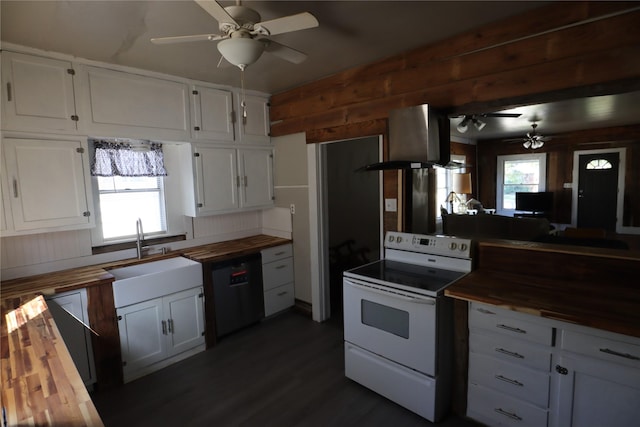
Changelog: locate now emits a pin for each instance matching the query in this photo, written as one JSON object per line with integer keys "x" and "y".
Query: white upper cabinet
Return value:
{"x": 253, "y": 120}
{"x": 211, "y": 114}
{"x": 256, "y": 180}
{"x": 37, "y": 94}
{"x": 225, "y": 179}
{"x": 122, "y": 104}
{"x": 47, "y": 185}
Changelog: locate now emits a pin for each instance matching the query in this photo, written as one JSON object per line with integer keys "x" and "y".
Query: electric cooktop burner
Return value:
{"x": 412, "y": 277}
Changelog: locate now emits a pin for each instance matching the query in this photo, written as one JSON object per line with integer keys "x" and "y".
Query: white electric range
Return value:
{"x": 398, "y": 326}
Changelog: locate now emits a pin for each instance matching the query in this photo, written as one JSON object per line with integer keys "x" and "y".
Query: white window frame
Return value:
{"x": 172, "y": 187}
{"x": 542, "y": 164}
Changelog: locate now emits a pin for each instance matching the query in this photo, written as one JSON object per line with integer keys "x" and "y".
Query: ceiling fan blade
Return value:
{"x": 214, "y": 9}
{"x": 286, "y": 24}
{"x": 285, "y": 52}
{"x": 186, "y": 39}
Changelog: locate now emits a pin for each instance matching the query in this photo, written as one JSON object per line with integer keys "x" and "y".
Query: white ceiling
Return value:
{"x": 351, "y": 33}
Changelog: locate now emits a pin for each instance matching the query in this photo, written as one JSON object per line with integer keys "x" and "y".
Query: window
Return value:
{"x": 518, "y": 173}
{"x": 444, "y": 183}
{"x": 599, "y": 164}
{"x": 129, "y": 184}
{"x": 123, "y": 200}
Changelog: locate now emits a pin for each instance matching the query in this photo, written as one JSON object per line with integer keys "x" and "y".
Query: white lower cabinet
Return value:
{"x": 530, "y": 371}
{"x": 161, "y": 331}
{"x": 277, "y": 278}
{"x": 69, "y": 311}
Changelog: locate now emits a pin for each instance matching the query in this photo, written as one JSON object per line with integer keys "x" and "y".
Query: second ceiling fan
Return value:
{"x": 243, "y": 37}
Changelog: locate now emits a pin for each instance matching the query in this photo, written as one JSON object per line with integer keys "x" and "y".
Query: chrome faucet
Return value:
{"x": 140, "y": 237}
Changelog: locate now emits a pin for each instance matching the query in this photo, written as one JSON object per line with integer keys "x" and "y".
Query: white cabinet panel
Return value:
{"x": 217, "y": 179}
{"x": 497, "y": 409}
{"x": 253, "y": 119}
{"x": 212, "y": 114}
{"x": 156, "y": 332}
{"x": 47, "y": 183}
{"x": 37, "y": 94}
{"x": 129, "y": 105}
{"x": 256, "y": 166}
{"x": 278, "y": 299}
{"x": 277, "y": 278}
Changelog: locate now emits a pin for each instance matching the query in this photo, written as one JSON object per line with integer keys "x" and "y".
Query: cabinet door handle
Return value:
{"x": 246, "y": 181}
{"x": 511, "y": 328}
{"x": 509, "y": 353}
{"x": 9, "y": 96}
{"x": 164, "y": 328}
{"x": 508, "y": 414}
{"x": 15, "y": 188}
{"x": 616, "y": 353}
{"x": 509, "y": 380}
{"x": 170, "y": 323}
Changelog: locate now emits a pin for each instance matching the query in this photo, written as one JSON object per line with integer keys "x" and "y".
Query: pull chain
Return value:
{"x": 243, "y": 104}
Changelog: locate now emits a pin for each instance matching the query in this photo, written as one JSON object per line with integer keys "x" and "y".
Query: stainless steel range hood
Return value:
{"x": 418, "y": 138}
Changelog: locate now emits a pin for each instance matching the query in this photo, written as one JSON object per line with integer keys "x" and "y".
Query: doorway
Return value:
{"x": 352, "y": 210}
{"x": 599, "y": 186}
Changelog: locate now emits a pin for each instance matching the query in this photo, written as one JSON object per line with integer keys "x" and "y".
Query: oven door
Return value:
{"x": 396, "y": 325}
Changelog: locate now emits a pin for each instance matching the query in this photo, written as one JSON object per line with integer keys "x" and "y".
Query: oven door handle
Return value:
{"x": 393, "y": 294}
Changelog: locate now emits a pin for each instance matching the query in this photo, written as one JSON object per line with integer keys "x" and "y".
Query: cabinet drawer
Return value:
{"x": 514, "y": 380}
{"x": 278, "y": 299}
{"x": 277, "y": 273}
{"x": 511, "y": 350}
{"x": 497, "y": 409}
{"x": 507, "y": 323}
{"x": 276, "y": 253}
{"x": 612, "y": 350}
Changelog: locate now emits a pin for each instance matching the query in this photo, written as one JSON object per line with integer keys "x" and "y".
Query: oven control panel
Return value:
{"x": 428, "y": 244}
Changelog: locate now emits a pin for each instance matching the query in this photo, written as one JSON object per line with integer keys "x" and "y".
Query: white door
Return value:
{"x": 185, "y": 320}
{"x": 217, "y": 175}
{"x": 47, "y": 183}
{"x": 69, "y": 312}
{"x": 595, "y": 393}
{"x": 212, "y": 117}
{"x": 253, "y": 119}
{"x": 256, "y": 180}
{"x": 37, "y": 93}
{"x": 143, "y": 333}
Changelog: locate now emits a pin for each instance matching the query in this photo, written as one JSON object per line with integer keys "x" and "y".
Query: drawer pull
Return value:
{"x": 511, "y": 328}
{"x": 485, "y": 311}
{"x": 164, "y": 327}
{"x": 509, "y": 380}
{"x": 280, "y": 267}
{"x": 282, "y": 293}
{"x": 509, "y": 353}
{"x": 280, "y": 253}
{"x": 615, "y": 353}
{"x": 508, "y": 414}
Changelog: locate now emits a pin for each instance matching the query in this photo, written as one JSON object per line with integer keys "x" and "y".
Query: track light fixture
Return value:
{"x": 463, "y": 126}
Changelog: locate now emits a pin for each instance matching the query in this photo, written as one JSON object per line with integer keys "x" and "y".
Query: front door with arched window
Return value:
{"x": 598, "y": 190}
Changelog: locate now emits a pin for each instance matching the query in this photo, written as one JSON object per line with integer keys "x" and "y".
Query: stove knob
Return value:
{"x": 391, "y": 238}
{"x": 453, "y": 246}
{"x": 463, "y": 247}
{"x": 399, "y": 239}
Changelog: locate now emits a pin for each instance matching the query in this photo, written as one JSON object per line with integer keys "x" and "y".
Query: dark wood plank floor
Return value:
{"x": 286, "y": 371}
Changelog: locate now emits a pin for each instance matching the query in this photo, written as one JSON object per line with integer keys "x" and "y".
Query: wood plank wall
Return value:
{"x": 558, "y": 51}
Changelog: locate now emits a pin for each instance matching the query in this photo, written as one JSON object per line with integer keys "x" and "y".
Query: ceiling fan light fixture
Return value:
{"x": 241, "y": 51}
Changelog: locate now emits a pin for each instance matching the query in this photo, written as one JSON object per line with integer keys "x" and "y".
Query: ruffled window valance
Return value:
{"x": 127, "y": 158}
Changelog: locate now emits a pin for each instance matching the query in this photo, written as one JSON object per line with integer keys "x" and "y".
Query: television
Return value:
{"x": 534, "y": 202}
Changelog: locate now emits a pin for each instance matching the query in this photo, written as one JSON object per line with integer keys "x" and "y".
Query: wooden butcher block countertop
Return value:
{"x": 40, "y": 383}
{"x": 586, "y": 286}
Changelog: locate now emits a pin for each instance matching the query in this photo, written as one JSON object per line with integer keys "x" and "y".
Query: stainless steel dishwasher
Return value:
{"x": 237, "y": 292}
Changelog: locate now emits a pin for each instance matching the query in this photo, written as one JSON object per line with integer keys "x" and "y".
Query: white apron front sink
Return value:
{"x": 154, "y": 279}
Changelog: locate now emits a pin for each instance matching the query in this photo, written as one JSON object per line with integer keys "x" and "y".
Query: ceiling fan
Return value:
{"x": 243, "y": 37}
{"x": 463, "y": 126}
{"x": 533, "y": 139}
